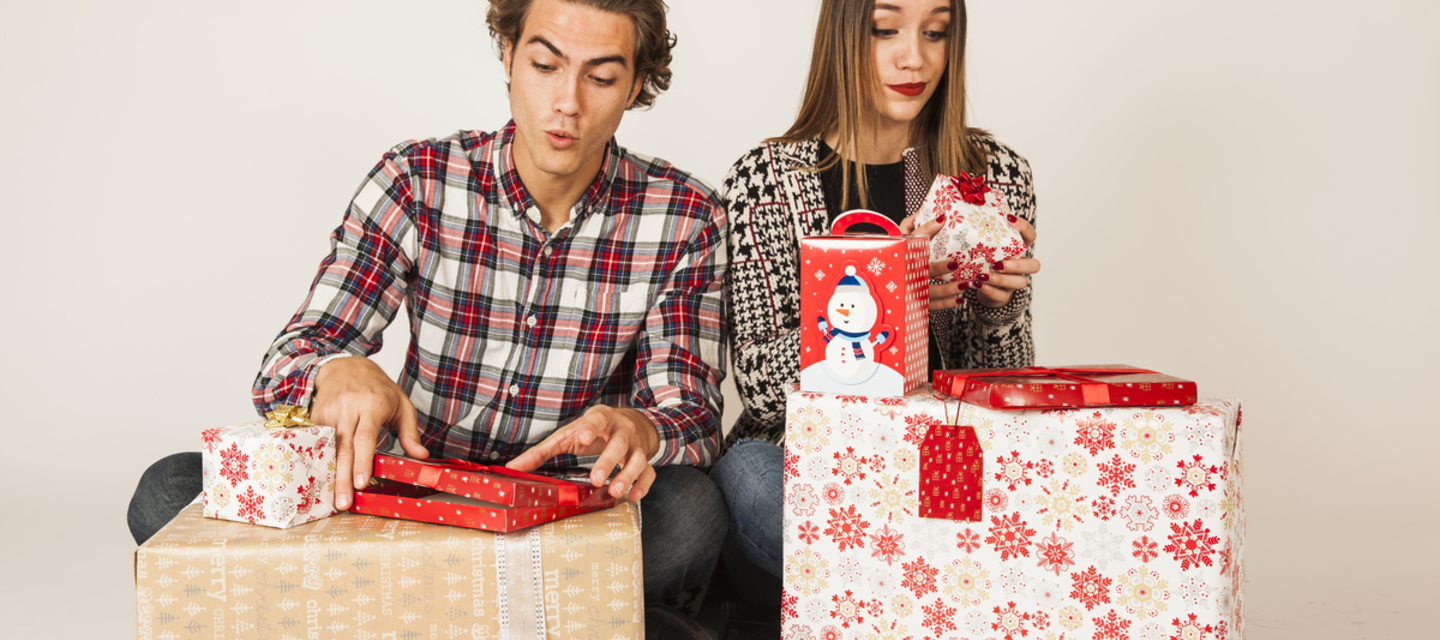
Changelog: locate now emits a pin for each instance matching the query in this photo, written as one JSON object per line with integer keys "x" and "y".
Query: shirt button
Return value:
{"x": 548, "y": 251}
{"x": 530, "y": 321}
{"x": 514, "y": 389}
{"x": 494, "y": 455}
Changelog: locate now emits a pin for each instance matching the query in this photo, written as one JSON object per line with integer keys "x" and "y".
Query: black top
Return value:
{"x": 884, "y": 184}
{"x": 885, "y": 193}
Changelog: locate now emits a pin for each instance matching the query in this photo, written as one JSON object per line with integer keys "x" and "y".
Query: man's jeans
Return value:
{"x": 684, "y": 518}
{"x": 752, "y": 477}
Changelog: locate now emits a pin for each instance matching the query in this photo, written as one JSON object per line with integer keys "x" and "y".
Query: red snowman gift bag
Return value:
{"x": 864, "y": 300}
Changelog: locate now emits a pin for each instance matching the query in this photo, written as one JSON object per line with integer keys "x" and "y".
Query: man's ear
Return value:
{"x": 635, "y": 89}
{"x": 507, "y": 58}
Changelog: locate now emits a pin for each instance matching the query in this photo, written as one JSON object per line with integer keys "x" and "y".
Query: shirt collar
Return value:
{"x": 516, "y": 197}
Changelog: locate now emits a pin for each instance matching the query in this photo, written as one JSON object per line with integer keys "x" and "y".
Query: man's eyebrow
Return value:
{"x": 595, "y": 62}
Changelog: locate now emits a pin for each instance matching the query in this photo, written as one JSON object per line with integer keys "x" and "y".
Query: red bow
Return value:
{"x": 972, "y": 190}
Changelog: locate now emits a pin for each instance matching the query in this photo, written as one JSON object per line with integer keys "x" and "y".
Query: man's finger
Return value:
{"x": 612, "y": 456}
{"x": 344, "y": 454}
{"x": 535, "y": 456}
{"x": 409, "y": 429}
{"x": 643, "y": 484}
{"x": 366, "y": 433}
{"x": 635, "y": 465}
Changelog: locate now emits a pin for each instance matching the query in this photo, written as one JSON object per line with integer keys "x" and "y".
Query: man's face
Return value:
{"x": 571, "y": 77}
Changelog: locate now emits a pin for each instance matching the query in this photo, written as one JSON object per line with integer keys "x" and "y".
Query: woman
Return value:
{"x": 883, "y": 114}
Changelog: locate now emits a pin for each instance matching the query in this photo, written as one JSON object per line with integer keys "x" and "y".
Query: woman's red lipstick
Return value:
{"x": 913, "y": 89}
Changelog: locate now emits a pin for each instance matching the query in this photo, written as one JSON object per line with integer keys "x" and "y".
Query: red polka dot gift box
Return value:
{"x": 864, "y": 301}
{"x": 475, "y": 496}
{"x": 280, "y": 473}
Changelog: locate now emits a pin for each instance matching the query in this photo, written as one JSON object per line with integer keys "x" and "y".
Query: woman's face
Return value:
{"x": 909, "y": 38}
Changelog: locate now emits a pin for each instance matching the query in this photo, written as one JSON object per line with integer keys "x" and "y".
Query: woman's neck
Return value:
{"x": 877, "y": 144}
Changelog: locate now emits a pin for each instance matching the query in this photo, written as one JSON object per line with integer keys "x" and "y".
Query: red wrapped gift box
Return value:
{"x": 1111, "y": 385}
{"x": 474, "y": 496}
{"x": 864, "y": 310}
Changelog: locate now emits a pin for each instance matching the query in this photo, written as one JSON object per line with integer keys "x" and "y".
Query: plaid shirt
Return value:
{"x": 515, "y": 331}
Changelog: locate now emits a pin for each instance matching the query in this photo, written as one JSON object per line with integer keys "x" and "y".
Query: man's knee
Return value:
{"x": 164, "y": 490}
{"x": 684, "y": 525}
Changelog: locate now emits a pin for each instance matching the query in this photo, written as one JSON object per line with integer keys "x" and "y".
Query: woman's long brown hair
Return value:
{"x": 842, "y": 90}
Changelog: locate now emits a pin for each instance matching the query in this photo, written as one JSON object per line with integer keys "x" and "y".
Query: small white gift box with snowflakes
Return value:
{"x": 1110, "y": 523}
{"x": 278, "y": 477}
{"x": 975, "y": 231}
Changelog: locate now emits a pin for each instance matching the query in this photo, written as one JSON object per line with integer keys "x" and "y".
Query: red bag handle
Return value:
{"x": 864, "y": 216}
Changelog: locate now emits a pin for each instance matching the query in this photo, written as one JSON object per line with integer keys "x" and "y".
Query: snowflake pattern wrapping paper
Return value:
{"x": 1114, "y": 523}
{"x": 275, "y": 477}
{"x": 358, "y": 576}
{"x": 864, "y": 320}
{"x": 976, "y": 232}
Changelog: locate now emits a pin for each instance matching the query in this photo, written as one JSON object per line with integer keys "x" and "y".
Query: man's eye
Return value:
{"x": 604, "y": 82}
{"x": 545, "y": 68}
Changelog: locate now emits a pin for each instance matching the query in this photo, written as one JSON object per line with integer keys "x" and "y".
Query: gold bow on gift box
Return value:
{"x": 286, "y": 416}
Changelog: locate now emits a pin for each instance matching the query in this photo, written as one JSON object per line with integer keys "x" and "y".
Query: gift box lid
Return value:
{"x": 497, "y": 485}
{"x": 1068, "y": 386}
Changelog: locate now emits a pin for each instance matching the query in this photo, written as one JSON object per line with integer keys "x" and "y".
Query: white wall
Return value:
{"x": 1239, "y": 192}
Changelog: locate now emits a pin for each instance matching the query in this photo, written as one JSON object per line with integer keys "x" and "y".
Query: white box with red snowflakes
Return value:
{"x": 275, "y": 477}
{"x": 1121, "y": 523}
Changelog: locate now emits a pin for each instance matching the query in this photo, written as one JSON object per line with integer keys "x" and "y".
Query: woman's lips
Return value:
{"x": 913, "y": 89}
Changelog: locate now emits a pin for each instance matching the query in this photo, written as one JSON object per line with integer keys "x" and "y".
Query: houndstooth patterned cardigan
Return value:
{"x": 772, "y": 204}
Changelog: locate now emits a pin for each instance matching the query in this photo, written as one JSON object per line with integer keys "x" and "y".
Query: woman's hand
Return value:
{"x": 992, "y": 289}
{"x": 995, "y": 289}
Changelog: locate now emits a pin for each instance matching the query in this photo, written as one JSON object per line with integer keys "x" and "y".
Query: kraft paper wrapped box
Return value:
{"x": 358, "y": 576}
{"x": 864, "y": 326}
{"x": 279, "y": 473}
{"x": 1108, "y": 522}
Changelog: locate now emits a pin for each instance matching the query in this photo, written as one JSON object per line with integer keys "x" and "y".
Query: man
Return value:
{"x": 564, "y": 295}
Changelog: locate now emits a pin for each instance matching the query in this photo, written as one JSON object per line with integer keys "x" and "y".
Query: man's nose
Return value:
{"x": 567, "y": 98}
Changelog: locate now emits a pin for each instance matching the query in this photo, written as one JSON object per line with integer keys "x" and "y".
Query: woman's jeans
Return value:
{"x": 752, "y": 478}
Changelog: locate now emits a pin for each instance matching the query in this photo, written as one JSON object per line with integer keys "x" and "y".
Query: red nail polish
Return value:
{"x": 940, "y": 218}
{"x": 965, "y": 285}
{"x": 998, "y": 266}
{"x": 1010, "y": 217}
{"x": 984, "y": 277}
{"x": 953, "y": 265}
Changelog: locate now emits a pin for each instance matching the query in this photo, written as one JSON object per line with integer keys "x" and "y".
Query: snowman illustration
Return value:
{"x": 850, "y": 329}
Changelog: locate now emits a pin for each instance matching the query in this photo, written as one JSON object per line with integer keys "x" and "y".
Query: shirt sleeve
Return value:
{"x": 359, "y": 288}
{"x": 681, "y": 357}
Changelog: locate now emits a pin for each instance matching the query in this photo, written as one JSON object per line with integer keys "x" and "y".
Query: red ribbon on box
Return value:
{"x": 971, "y": 386}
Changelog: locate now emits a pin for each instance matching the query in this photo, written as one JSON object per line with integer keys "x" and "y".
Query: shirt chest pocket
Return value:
{"x": 588, "y": 311}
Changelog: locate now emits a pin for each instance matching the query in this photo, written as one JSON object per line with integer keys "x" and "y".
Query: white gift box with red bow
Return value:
{"x": 976, "y": 232}
{"x": 274, "y": 477}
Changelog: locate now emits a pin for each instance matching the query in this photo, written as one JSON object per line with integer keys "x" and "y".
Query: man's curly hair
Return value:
{"x": 653, "y": 41}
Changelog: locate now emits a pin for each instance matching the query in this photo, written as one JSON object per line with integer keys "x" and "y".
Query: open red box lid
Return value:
{"x": 1107, "y": 385}
{"x": 465, "y": 494}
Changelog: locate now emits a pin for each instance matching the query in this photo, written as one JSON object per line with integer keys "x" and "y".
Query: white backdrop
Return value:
{"x": 1244, "y": 193}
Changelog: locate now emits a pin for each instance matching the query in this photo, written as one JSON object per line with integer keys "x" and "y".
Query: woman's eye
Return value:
{"x": 884, "y": 33}
{"x": 935, "y": 36}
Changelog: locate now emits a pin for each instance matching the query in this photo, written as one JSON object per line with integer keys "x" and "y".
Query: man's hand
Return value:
{"x": 620, "y": 436}
{"x": 356, "y": 397}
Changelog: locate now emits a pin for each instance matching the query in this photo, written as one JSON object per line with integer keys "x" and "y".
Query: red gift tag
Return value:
{"x": 952, "y": 467}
